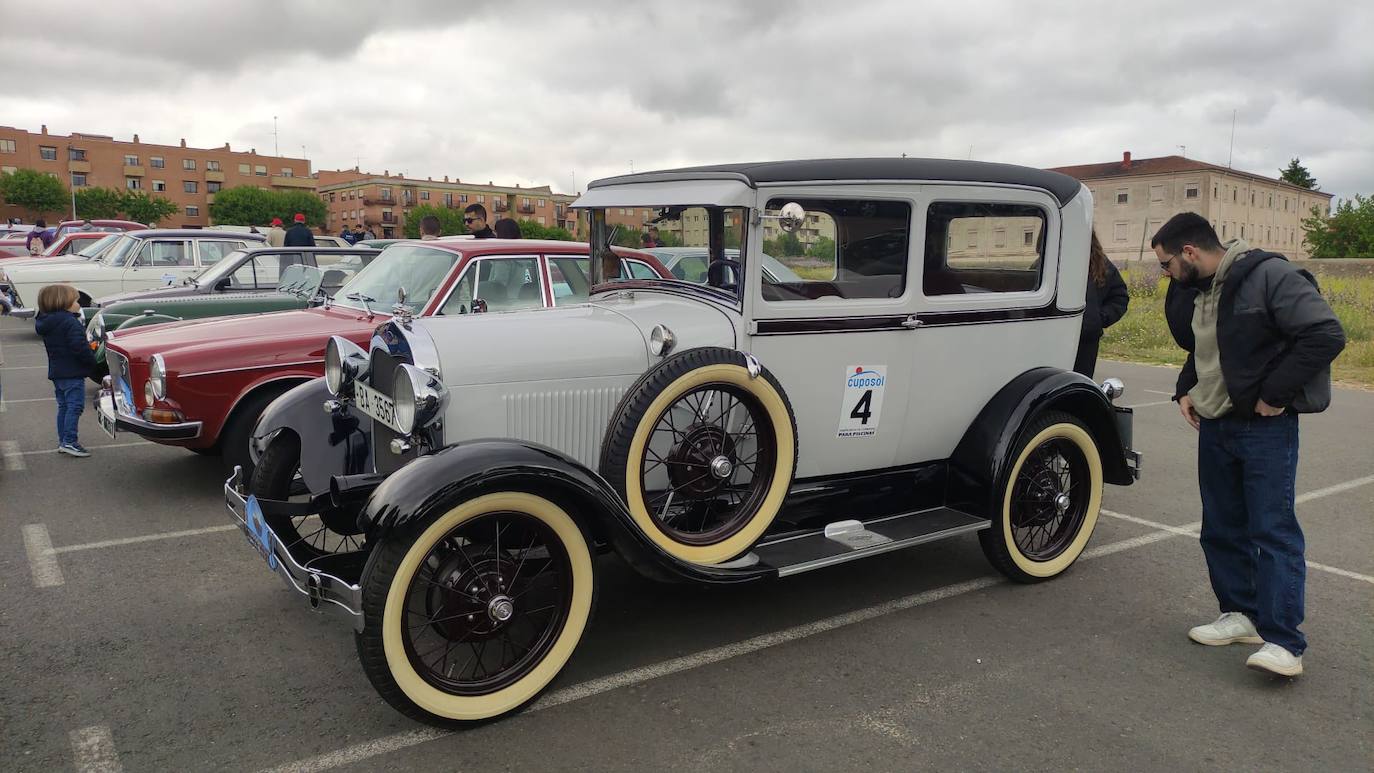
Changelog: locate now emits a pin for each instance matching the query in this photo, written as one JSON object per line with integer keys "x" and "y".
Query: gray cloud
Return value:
{"x": 537, "y": 94}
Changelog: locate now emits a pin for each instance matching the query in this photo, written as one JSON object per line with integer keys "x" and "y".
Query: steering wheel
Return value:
{"x": 724, "y": 274}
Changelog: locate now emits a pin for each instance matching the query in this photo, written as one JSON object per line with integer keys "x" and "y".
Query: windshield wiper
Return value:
{"x": 364, "y": 300}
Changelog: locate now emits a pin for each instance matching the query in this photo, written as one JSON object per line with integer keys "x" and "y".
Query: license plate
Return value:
{"x": 259, "y": 536}
{"x": 375, "y": 404}
{"x": 104, "y": 414}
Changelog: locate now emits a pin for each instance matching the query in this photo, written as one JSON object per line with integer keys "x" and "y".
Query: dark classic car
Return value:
{"x": 243, "y": 282}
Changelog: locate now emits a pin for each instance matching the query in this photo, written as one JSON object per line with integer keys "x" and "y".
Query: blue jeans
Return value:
{"x": 71, "y": 400}
{"x": 1247, "y": 469}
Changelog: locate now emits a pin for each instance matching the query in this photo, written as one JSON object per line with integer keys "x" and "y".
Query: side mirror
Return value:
{"x": 793, "y": 217}
{"x": 222, "y": 284}
{"x": 479, "y": 306}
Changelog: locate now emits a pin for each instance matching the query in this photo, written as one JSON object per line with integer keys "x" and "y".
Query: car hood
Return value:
{"x": 56, "y": 260}
{"x": 53, "y": 271}
{"x": 233, "y": 342}
{"x": 176, "y": 291}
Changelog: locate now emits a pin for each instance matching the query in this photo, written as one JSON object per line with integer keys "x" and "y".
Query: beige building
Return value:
{"x": 382, "y": 202}
{"x": 1133, "y": 197}
{"x": 190, "y": 177}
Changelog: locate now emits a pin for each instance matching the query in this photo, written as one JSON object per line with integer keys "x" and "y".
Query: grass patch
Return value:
{"x": 1143, "y": 335}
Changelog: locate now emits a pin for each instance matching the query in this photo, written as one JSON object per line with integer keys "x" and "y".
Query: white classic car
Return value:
{"x": 135, "y": 260}
{"x": 916, "y": 386}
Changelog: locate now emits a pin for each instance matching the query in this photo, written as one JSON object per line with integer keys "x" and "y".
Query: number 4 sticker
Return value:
{"x": 863, "y": 400}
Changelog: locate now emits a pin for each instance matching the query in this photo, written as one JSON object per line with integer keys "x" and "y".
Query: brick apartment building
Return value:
{"x": 383, "y": 201}
{"x": 1133, "y": 197}
{"x": 190, "y": 177}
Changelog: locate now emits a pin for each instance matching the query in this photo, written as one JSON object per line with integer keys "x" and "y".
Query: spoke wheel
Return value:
{"x": 278, "y": 477}
{"x": 1049, "y": 500}
{"x": 703, "y": 452}
{"x": 470, "y": 614}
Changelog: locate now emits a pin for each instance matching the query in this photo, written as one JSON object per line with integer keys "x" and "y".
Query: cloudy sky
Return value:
{"x": 543, "y": 93}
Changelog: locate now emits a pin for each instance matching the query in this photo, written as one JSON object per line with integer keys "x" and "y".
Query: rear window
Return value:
{"x": 981, "y": 247}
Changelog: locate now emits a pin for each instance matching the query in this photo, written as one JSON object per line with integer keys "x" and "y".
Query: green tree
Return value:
{"x": 1298, "y": 175}
{"x": 288, "y": 203}
{"x": 1347, "y": 233}
{"x": 244, "y": 205}
{"x": 34, "y": 191}
{"x": 824, "y": 248}
{"x": 786, "y": 246}
{"x": 532, "y": 230}
{"x": 99, "y": 203}
{"x": 140, "y": 207}
{"x": 450, "y": 221}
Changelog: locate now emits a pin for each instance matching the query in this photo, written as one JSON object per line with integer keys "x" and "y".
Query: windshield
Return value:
{"x": 696, "y": 235}
{"x": 420, "y": 270}
{"x": 120, "y": 251}
{"x": 221, "y": 268}
{"x": 96, "y": 248}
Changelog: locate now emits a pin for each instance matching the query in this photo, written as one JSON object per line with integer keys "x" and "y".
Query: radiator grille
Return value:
{"x": 569, "y": 420}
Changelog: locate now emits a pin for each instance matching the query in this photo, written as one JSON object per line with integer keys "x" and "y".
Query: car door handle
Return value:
{"x": 911, "y": 322}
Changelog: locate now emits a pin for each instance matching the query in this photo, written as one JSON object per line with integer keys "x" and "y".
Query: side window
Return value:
{"x": 164, "y": 255}
{"x": 640, "y": 270}
{"x": 964, "y": 255}
{"x": 213, "y": 252}
{"x": 845, "y": 248}
{"x": 509, "y": 283}
{"x": 270, "y": 267}
{"x": 244, "y": 277}
{"x": 460, "y": 300}
{"x": 569, "y": 278}
{"x": 338, "y": 268}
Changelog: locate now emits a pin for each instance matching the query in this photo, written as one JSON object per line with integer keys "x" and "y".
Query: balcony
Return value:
{"x": 293, "y": 182}
{"x": 213, "y": 176}
{"x": 525, "y": 209}
{"x": 389, "y": 218}
{"x": 132, "y": 171}
{"x": 387, "y": 202}
{"x": 78, "y": 166}
{"x": 499, "y": 206}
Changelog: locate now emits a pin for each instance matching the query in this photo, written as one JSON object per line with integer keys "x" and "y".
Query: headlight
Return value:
{"x": 96, "y": 332}
{"x": 661, "y": 340}
{"x": 419, "y": 396}
{"x": 344, "y": 363}
{"x": 157, "y": 376}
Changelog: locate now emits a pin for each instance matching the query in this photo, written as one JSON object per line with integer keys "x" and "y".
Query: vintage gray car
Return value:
{"x": 916, "y": 387}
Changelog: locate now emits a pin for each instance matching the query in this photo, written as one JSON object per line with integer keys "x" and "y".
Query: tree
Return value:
{"x": 288, "y": 203}
{"x": 1347, "y": 233}
{"x": 532, "y": 230}
{"x": 1298, "y": 175}
{"x": 99, "y": 203}
{"x": 244, "y": 205}
{"x": 824, "y": 248}
{"x": 450, "y": 221}
{"x": 33, "y": 190}
{"x": 140, "y": 207}
{"x": 785, "y": 246}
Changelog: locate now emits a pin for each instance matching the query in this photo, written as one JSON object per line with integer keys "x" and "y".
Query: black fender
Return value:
{"x": 335, "y": 443}
{"x": 430, "y": 485}
{"x": 980, "y": 461}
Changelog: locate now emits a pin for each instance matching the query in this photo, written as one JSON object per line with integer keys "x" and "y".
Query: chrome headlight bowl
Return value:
{"x": 157, "y": 376}
{"x": 661, "y": 340}
{"x": 97, "y": 329}
{"x": 420, "y": 398}
{"x": 344, "y": 363}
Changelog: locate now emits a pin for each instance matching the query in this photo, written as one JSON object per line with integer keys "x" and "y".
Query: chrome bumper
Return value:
{"x": 23, "y": 313}
{"x": 1133, "y": 460}
{"x": 319, "y": 588}
{"x": 111, "y": 420}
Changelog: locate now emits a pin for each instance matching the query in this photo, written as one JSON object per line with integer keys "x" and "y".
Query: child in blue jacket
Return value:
{"x": 70, "y": 360}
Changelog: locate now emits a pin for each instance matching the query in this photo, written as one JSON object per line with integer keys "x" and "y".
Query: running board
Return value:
{"x": 851, "y": 540}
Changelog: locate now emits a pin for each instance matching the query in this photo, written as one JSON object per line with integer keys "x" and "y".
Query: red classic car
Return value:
{"x": 202, "y": 384}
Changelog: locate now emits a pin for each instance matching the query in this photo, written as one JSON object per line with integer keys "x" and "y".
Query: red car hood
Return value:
{"x": 257, "y": 339}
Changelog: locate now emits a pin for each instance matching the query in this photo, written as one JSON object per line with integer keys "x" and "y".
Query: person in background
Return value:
{"x": 429, "y": 228}
{"x": 358, "y": 234}
{"x": 347, "y": 235}
{"x": 276, "y": 236}
{"x": 70, "y": 360}
{"x": 1105, "y": 303}
{"x": 298, "y": 235}
{"x": 650, "y": 238}
{"x": 86, "y": 226}
{"x": 1260, "y": 340}
{"x": 475, "y": 218}
{"x": 369, "y": 233}
{"x": 506, "y": 228}
{"x": 41, "y": 234}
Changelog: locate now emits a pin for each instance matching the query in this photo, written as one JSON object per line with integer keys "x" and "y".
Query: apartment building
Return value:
{"x": 188, "y": 176}
{"x": 383, "y": 201}
{"x": 1133, "y": 197}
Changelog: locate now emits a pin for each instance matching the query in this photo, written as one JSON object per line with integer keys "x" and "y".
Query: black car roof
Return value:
{"x": 1061, "y": 186}
{"x": 203, "y": 233}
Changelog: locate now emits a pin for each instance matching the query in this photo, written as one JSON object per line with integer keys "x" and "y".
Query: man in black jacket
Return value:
{"x": 1260, "y": 340}
{"x": 475, "y": 218}
{"x": 298, "y": 235}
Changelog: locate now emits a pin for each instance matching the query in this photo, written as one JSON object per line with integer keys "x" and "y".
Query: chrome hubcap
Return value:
{"x": 721, "y": 467}
{"x": 1062, "y": 502}
{"x": 500, "y": 609}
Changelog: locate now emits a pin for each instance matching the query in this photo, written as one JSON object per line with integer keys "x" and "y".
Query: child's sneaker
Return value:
{"x": 73, "y": 449}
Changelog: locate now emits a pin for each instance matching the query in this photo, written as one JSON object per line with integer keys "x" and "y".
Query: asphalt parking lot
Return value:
{"x": 139, "y": 632}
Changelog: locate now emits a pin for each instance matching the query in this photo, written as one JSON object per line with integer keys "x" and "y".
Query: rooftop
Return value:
{"x": 1133, "y": 167}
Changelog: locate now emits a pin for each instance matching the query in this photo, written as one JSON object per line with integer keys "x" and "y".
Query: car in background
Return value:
{"x": 331, "y": 241}
{"x": 251, "y": 281}
{"x": 139, "y": 260}
{"x": 203, "y": 384}
{"x": 108, "y": 226}
{"x": 73, "y": 242}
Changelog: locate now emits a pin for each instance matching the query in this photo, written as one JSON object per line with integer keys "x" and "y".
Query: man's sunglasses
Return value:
{"x": 469, "y": 220}
{"x": 1164, "y": 264}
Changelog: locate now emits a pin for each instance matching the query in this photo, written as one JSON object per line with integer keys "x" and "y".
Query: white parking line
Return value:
{"x": 25, "y": 367}
{"x": 32, "y": 400}
{"x": 14, "y": 458}
{"x": 92, "y": 448}
{"x": 42, "y": 562}
{"x": 356, "y": 753}
{"x": 1148, "y": 405}
{"x": 95, "y": 750}
{"x": 109, "y": 543}
{"x": 1336, "y": 489}
{"x": 1341, "y": 572}
{"x": 1157, "y": 392}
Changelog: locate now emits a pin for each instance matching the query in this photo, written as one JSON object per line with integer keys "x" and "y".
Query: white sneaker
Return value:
{"x": 1275, "y": 660}
{"x": 1230, "y": 628}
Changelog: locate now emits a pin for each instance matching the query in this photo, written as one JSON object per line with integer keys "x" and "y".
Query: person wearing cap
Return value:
{"x": 298, "y": 235}
{"x": 276, "y": 237}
